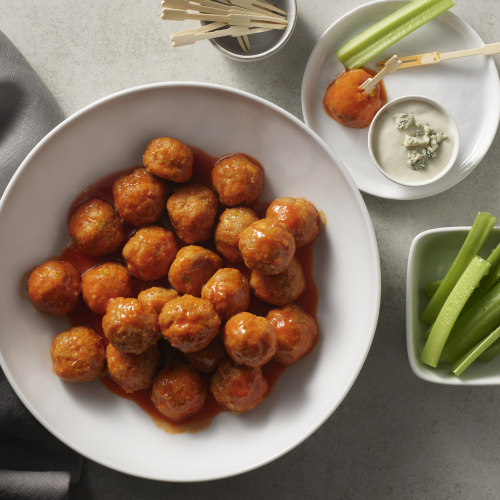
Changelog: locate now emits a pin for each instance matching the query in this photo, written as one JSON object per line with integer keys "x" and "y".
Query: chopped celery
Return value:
{"x": 492, "y": 352}
{"x": 431, "y": 288}
{"x": 389, "y": 30}
{"x": 451, "y": 309}
{"x": 473, "y": 326}
{"x": 464, "y": 362}
{"x": 473, "y": 243}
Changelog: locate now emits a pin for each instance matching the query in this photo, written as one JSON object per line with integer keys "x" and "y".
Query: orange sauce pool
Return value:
{"x": 83, "y": 316}
{"x": 352, "y": 108}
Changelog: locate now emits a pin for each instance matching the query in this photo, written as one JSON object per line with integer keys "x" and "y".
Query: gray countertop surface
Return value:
{"x": 394, "y": 435}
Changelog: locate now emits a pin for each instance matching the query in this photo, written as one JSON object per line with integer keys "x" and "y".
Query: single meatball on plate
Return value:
{"x": 192, "y": 268}
{"x": 130, "y": 325}
{"x": 96, "y": 228}
{"x": 228, "y": 291}
{"x": 207, "y": 360}
{"x": 150, "y": 252}
{"x": 296, "y": 332}
{"x": 178, "y": 391}
{"x": 192, "y": 210}
{"x": 133, "y": 372}
{"x": 298, "y": 215}
{"x": 278, "y": 289}
{"x": 189, "y": 323}
{"x": 77, "y": 354}
{"x": 237, "y": 180}
{"x": 267, "y": 246}
{"x": 54, "y": 287}
{"x": 169, "y": 158}
{"x": 157, "y": 297}
{"x": 250, "y": 340}
{"x": 140, "y": 197}
{"x": 227, "y": 233}
{"x": 238, "y": 388}
{"x": 104, "y": 283}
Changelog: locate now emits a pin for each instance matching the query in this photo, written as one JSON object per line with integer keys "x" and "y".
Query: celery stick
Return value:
{"x": 431, "y": 288}
{"x": 451, "y": 309}
{"x": 473, "y": 243}
{"x": 464, "y": 362}
{"x": 389, "y": 30}
{"x": 492, "y": 352}
{"x": 473, "y": 326}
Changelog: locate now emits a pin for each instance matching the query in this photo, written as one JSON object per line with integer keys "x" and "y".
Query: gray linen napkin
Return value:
{"x": 33, "y": 464}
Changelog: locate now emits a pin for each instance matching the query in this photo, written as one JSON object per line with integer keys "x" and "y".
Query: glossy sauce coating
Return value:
{"x": 189, "y": 323}
{"x": 133, "y": 372}
{"x": 104, "y": 283}
{"x": 178, "y": 391}
{"x": 228, "y": 291}
{"x": 54, "y": 287}
{"x": 250, "y": 340}
{"x": 150, "y": 252}
{"x": 238, "y": 388}
{"x": 130, "y": 325}
{"x": 169, "y": 158}
{"x": 157, "y": 297}
{"x": 207, "y": 360}
{"x": 347, "y": 104}
{"x": 96, "y": 228}
{"x": 192, "y": 210}
{"x": 77, "y": 354}
{"x": 140, "y": 197}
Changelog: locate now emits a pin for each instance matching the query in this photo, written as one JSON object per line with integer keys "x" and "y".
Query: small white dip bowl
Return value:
{"x": 444, "y": 111}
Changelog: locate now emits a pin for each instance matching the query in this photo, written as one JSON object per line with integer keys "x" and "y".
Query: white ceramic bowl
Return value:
{"x": 431, "y": 255}
{"x": 111, "y": 135}
{"x": 262, "y": 45}
{"x": 444, "y": 111}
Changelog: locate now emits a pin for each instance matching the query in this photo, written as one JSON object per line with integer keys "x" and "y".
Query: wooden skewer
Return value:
{"x": 246, "y": 41}
{"x": 242, "y": 44}
{"x": 435, "y": 57}
{"x": 251, "y": 4}
{"x": 202, "y": 29}
{"x": 234, "y": 19}
{"x": 392, "y": 65}
{"x": 209, "y": 7}
{"x": 237, "y": 31}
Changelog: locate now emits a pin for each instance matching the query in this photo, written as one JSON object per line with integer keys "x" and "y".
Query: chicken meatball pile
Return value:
{"x": 195, "y": 290}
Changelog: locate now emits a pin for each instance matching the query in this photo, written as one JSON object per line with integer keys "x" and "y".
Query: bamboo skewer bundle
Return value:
{"x": 237, "y": 18}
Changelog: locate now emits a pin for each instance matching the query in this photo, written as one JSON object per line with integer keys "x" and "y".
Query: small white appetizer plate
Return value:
{"x": 111, "y": 135}
{"x": 431, "y": 255}
{"x": 469, "y": 88}
{"x": 453, "y": 127}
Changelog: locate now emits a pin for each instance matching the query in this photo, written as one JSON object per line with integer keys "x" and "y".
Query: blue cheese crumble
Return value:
{"x": 421, "y": 146}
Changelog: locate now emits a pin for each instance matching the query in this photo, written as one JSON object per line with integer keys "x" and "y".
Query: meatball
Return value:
{"x": 296, "y": 332}
{"x": 237, "y": 180}
{"x": 103, "y": 283}
{"x": 157, "y": 297}
{"x": 140, "y": 197}
{"x": 133, "y": 372}
{"x": 207, "y": 360}
{"x": 238, "y": 388}
{"x": 192, "y": 210}
{"x": 348, "y": 104}
{"x": 169, "y": 158}
{"x": 227, "y": 234}
{"x": 150, "y": 252}
{"x": 192, "y": 268}
{"x": 54, "y": 287}
{"x": 228, "y": 291}
{"x": 178, "y": 391}
{"x": 130, "y": 325}
{"x": 267, "y": 246}
{"x": 250, "y": 340}
{"x": 298, "y": 215}
{"x": 96, "y": 228}
{"x": 189, "y": 323}
{"x": 77, "y": 354}
{"x": 278, "y": 289}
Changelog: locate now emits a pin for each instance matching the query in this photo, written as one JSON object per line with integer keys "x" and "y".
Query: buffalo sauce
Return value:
{"x": 83, "y": 316}
{"x": 347, "y": 104}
